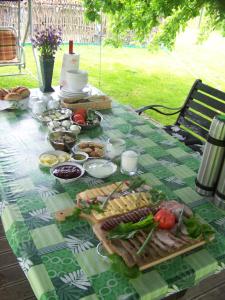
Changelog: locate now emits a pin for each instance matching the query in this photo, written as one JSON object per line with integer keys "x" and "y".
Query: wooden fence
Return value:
{"x": 66, "y": 14}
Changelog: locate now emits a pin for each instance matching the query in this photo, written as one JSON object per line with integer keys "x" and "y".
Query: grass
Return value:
{"x": 137, "y": 77}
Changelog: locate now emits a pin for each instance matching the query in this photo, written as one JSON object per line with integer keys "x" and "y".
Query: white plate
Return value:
{"x": 79, "y": 95}
{"x": 66, "y": 164}
{"x": 100, "y": 168}
{"x": 77, "y": 147}
{"x": 86, "y": 89}
{"x": 65, "y": 114}
{"x": 56, "y": 153}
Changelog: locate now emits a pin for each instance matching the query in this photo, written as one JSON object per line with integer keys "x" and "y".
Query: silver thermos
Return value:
{"x": 219, "y": 198}
{"x": 212, "y": 158}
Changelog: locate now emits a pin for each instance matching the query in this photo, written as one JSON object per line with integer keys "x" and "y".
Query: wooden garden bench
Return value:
{"x": 195, "y": 116}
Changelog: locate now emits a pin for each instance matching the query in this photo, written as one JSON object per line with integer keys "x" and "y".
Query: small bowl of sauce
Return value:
{"x": 67, "y": 172}
{"x": 80, "y": 156}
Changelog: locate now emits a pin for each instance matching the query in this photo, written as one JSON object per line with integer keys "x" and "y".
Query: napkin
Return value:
{"x": 70, "y": 62}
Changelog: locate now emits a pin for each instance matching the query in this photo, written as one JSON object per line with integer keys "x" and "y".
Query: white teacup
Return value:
{"x": 53, "y": 104}
{"x": 115, "y": 147}
{"x": 75, "y": 129}
{"x": 39, "y": 107}
{"x": 76, "y": 80}
{"x": 32, "y": 100}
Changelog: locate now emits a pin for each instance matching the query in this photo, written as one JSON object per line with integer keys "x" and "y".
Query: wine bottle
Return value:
{"x": 71, "y": 47}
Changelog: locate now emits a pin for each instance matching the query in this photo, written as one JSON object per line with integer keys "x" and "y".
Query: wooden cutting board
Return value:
{"x": 101, "y": 235}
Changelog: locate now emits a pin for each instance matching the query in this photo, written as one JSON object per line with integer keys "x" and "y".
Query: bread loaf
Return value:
{"x": 13, "y": 96}
{"x": 17, "y": 93}
{"x": 3, "y": 93}
{"x": 22, "y": 91}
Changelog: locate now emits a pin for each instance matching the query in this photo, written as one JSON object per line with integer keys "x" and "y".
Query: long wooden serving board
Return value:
{"x": 154, "y": 252}
{"x": 101, "y": 235}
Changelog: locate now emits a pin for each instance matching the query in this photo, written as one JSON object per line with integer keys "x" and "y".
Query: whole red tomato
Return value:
{"x": 165, "y": 218}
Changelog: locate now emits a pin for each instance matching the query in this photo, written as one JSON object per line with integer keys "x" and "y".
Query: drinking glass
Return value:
{"x": 129, "y": 162}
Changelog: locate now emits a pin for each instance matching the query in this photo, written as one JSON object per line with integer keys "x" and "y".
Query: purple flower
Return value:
{"x": 47, "y": 41}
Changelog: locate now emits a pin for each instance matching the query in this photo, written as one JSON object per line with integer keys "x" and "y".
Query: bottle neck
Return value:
{"x": 71, "y": 47}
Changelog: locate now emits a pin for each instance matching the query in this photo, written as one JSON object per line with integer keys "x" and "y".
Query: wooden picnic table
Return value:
{"x": 60, "y": 259}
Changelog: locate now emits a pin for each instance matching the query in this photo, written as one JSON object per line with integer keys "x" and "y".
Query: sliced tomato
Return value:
{"x": 81, "y": 111}
{"x": 78, "y": 118}
{"x": 165, "y": 219}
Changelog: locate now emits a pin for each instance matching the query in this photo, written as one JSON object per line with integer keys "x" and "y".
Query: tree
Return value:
{"x": 168, "y": 16}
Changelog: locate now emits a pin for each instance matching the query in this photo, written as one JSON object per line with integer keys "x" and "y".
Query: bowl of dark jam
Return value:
{"x": 67, "y": 172}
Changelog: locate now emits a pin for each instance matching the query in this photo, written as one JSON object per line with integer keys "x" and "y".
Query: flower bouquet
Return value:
{"x": 47, "y": 42}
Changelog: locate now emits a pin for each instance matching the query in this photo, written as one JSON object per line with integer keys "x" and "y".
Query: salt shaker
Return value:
{"x": 212, "y": 158}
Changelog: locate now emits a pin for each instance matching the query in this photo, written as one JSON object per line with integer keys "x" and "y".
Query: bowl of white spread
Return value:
{"x": 100, "y": 168}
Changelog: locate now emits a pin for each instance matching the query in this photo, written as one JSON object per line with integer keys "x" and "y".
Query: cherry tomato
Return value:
{"x": 165, "y": 218}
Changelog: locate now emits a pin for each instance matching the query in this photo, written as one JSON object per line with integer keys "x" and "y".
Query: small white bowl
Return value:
{"x": 62, "y": 180}
{"x": 100, "y": 168}
{"x": 82, "y": 160}
{"x": 57, "y": 153}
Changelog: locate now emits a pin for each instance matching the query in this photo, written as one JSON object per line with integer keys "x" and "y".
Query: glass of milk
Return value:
{"x": 129, "y": 162}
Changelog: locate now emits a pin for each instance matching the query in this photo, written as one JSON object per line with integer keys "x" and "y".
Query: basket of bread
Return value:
{"x": 15, "y": 98}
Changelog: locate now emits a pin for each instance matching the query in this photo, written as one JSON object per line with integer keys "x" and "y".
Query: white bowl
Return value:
{"x": 56, "y": 153}
{"x": 76, "y": 80}
{"x": 62, "y": 180}
{"x": 80, "y": 152}
{"x": 100, "y": 168}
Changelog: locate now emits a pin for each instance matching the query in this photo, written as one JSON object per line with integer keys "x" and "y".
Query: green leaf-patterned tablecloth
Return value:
{"x": 60, "y": 259}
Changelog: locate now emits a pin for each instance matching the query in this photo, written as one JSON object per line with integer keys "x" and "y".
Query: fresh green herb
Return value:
{"x": 93, "y": 206}
{"x": 196, "y": 229}
{"x": 142, "y": 248}
{"x": 157, "y": 196}
{"x": 128, "y": 230}
{"x": 136, "y": 183}
{"x": 91, "y": 116}
{"x": 118, "y": 265}
{"x": 85, "y": 209}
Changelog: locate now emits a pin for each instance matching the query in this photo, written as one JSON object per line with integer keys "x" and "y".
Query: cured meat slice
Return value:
{"x": 160, "y": 244}
{"x": 158, "y": 250}
{"x": 165, "y": 239}
{"x": 139, "y": 259}
{"x": 177, "y": 239}
{"x": 121, "y": 251}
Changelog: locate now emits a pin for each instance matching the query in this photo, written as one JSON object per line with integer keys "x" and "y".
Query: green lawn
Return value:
{"x": 137, "y": 77}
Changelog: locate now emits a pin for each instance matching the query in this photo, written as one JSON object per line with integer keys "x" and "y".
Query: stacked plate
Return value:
{"x": 78, "y": 94}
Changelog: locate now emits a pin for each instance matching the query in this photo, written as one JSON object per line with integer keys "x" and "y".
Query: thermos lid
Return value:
{"x": 221, "y": 118}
